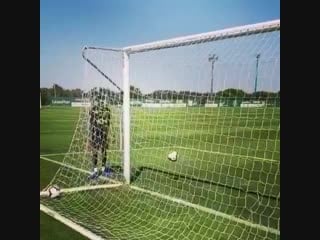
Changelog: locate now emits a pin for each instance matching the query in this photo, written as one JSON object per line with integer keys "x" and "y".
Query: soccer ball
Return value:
{"x": 53, "y": 191}
{"x": 173, "y": 156}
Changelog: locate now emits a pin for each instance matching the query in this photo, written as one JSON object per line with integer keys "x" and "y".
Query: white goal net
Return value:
{"x": 210, "y": 100}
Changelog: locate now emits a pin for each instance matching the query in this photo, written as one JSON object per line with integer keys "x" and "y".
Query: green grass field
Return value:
{"x": 56, "y": 130}
{"x": 228, "y": 161}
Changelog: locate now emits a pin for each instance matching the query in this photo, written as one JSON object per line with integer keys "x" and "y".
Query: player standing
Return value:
{"x": 100, "y": 115}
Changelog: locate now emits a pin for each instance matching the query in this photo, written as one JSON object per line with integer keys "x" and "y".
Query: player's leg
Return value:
{"x": 94, "y": 148}
{"x": 106, "y": 168}
{"x": 95, "y": 172}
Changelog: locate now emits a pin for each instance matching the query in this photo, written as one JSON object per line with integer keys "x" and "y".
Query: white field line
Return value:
{"x": 228, "y": 154}
{"x": 58, "y": 154}
{"x": 57, "y": 131}
{"x": 206, "y": 151}
{"x": 59, "y": 120}
{"x": 69, "y": 153}
{"x": 183, "y": 202}
{"x": 85, "y": 232}
{"x": 209, "y": 210}
{"x": 174, "y": 147}
{"x": 77, "y": 169}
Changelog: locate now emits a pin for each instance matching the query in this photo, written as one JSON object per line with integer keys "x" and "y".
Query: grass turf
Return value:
{"x": 208, "y": 140}
{"x": 53, "y": 140}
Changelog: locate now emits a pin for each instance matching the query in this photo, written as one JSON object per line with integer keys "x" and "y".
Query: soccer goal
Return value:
{"x": 186, "y": 132}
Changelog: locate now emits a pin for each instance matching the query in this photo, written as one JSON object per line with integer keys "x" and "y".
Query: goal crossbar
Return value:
{"x": 204, "y": 37}
{"x": 198, "y": 38}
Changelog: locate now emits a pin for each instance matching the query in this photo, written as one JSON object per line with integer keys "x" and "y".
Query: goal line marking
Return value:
{"x": 69, "y": 153}
{"x": 183, "y": 202}
{"x": 172, "y": 147}
{"x": 77, "y": 169}
{"x": 85, "y": 232}
{"x": 209, "y": 210}
{"x": 59, "y": 154}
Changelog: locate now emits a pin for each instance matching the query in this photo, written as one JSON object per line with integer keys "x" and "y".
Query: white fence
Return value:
{"x": 80, "y": 104}
{"x": 253, "y": 104}
{"x": 164, "y": 105}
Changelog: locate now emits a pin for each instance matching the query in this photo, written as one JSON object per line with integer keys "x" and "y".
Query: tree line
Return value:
{"x": 48, "y": 94}
{"x": 200, "y": 98}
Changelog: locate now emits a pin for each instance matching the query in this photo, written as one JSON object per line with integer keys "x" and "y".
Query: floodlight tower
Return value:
{"x": 257, "y": 65}
{"x": 54, "y": 90}
{"x": 212, "y": 58}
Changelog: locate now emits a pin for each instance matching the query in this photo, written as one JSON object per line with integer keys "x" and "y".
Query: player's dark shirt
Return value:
{"x": 100, "y": 120}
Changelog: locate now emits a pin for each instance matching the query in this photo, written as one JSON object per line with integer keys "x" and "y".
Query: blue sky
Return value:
{"x": 67, "y": 25}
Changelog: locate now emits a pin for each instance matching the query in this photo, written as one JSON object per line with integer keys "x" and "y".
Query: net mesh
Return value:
{"x": 217, "y": 105}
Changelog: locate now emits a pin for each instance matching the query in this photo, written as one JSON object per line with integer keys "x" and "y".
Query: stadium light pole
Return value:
{"x": 212, "y": 58}
{"x": 257, "y": 65}
{"x": 54, "y": 90}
